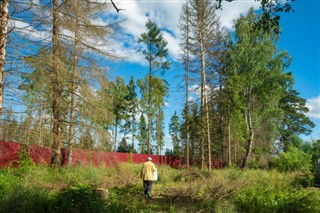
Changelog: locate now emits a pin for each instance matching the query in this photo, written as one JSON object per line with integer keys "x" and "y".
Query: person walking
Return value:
{"x": 147, "y": 170}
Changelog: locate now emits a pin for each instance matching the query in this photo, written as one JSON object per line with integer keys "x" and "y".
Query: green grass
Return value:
{"x": 71, "y": 189}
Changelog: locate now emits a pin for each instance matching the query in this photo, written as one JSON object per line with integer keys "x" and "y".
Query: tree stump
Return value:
{"x": 103, "y": 193}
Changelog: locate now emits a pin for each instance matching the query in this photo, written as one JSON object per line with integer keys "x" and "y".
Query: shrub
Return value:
{"x": 22, "y": 199}
{"x": 24, "y": 161}
{"x": 264, "y": 197}
{"x": 302, "y": 201}
{"x": 293, "y": 160}
{"x": 78, "y": 198}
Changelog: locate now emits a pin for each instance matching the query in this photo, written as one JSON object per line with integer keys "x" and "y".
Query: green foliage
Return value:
{"x": 302, "y": 200}
{"x": 24, "y": 161}
{"x": 267, "y": 198}
{"x": 78, "y": 198}
{"x": 174, "y": 127}
{"x": 254, "y": 83}
{"x": 130, "y": 157}
{"x": 155, "y": 50}
{"x": 142, "y": 134}
{"x": 71, "y": 189}
{"x": 294, "y": 120}
{"x": 22, "y": 199}
{"x": 293, "y": 160}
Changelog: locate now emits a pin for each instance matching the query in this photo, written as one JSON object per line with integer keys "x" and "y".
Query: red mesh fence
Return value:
{"x": 42, "y": 155}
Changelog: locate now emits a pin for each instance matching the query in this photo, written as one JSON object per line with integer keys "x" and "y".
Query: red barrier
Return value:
{"x": 8, "y": 153}
{"x": 42, "y": 155}
{"x": 39, "y": 154}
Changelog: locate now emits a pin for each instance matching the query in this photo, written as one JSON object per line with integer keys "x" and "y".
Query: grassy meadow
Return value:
{"x": 31, "y": 188}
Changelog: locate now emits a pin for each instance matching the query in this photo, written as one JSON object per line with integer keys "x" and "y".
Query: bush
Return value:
{"x": 21, "y": 199}
{"x": 302, "y": 201}
{"x": 274, "y": 198}
{"x": 293, "y": 160}
{"x": 78, "y": 198}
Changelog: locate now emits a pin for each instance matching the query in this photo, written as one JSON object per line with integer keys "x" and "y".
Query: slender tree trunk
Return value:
{"x": 56, "y": 130}
{"x": 73, "y": 87}
{"x": 132, "y": 132}
{"x": 203, "y": 84}
{"x": 187, "y": 91}
{"x": 41, "y": 113}
{"x": 229, "y": 137}
{"x": 251, "y": 133}
{"x": 221, "y": 121}
{"x": 187, "y": 122}
{"x": 158, "y": 134}
{"x": 149, "y": 103}
{"x": 3, "y": 43}
{"x": 208, "y": 131}
{"x": 204, "y": 105}
{"x": 115, "y": 135}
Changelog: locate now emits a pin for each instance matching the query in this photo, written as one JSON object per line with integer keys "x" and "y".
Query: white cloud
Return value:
{"x": 314, "y": 107}
{"x": 166, "y": 15}
{"x": 27, "y": 30}
{"x": 232, "y": 10}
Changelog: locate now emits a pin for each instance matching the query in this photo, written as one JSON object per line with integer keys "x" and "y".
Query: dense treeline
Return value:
{"x": 240, "y": 105}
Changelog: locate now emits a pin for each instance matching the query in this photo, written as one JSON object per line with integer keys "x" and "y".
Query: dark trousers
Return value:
{"x": 147, "y": 187}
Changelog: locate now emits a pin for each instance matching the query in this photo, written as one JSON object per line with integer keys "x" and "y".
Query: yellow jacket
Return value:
{"x": 147, "y": 170}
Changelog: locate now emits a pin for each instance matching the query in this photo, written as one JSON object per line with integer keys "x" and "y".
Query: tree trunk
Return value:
{"x": 115, "y": 135}
{"x": 3, "y": 43}
{"x": 249, "y": 149}
{"x": 229, "y": 139}
{"x": 56, "y": 146}
{"x": 187, "y": 92}
{"x": 132, "y": 131}
{"x": 208, "y": 131}
{"x": 202, "y": 102}
{"x": 41, "y": 123}
{"x": 251, "y": 135}
{"x": 149, "y": 103}
{"x": 73, "y": 87}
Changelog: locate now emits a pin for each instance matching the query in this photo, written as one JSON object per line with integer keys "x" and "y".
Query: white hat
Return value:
{"x": 149, "y": 158}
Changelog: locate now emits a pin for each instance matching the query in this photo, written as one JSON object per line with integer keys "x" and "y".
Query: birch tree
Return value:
{"x": 259, "y": 67}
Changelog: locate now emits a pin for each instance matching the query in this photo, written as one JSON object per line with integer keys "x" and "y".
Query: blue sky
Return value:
{"x": 300, "y": 37}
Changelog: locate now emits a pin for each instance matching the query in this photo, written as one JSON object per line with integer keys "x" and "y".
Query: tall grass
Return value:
{"x": 71, "y": 189}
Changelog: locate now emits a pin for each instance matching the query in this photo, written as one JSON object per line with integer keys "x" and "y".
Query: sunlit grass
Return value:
{"x": 177, "y": 190}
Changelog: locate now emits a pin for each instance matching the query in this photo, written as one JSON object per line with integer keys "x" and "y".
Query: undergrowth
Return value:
{"x": 32, "y": 188}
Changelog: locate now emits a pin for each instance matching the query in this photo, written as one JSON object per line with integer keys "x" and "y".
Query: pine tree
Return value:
{"x": 174, "y": 127}
{"x": 294, "y": 120}
{"x": 131, "y": 111}
{"x": 142, "y": 134}
{"x": 156, "y": 53}
{"x": 159, "y": 94}
{"x": 119, "y": 93}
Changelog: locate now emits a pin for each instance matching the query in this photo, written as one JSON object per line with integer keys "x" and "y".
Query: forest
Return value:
{"x": 240, "y": 106}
